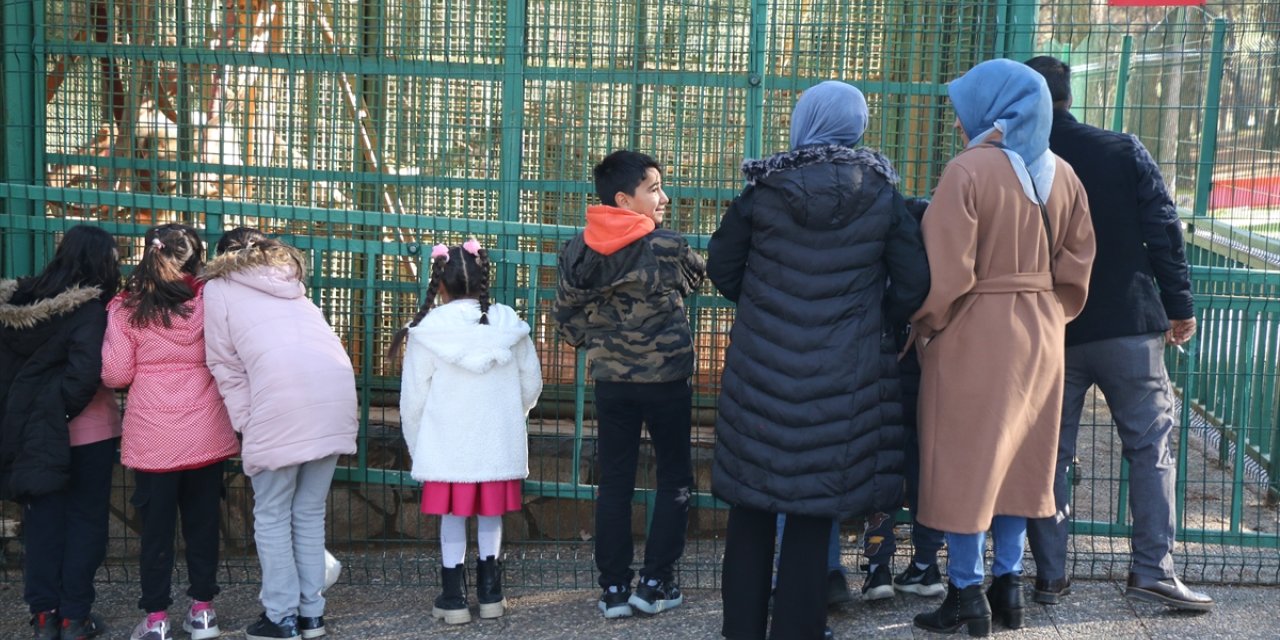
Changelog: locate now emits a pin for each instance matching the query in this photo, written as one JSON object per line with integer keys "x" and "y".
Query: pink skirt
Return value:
{"x": 471, "y": 498}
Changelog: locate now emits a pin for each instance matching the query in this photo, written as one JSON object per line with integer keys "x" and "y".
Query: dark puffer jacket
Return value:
{"x": 50, "y": 368}
{"x": 805, "y": 251}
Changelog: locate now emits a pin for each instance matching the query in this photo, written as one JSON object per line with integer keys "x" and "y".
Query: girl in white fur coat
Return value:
{"x": 470, "y": 377}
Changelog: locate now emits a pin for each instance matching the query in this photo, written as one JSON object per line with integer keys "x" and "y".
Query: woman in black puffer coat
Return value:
{"x": 59, "y": 427}
{"x": 805, "y": 251}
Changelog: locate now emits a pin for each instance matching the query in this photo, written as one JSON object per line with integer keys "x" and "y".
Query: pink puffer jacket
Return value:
{"x": 174, "y": 418}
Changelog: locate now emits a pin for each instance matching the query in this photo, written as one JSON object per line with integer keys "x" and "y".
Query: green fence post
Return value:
{"x": 512, "y": 141}
{"x": 1122, "y": 82}
{"x": 21, "y": 120}
{"x": 1020, "y": 32}
{"x": 1212, "y": 102}
{"x": 756, "y": 61}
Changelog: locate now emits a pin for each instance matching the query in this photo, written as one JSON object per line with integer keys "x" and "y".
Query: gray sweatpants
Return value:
{"x": 1131, "y": 375}
{"x": 288, "y": 527}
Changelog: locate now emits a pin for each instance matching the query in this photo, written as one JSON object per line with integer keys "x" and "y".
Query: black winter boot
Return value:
{"x": 489, "y": 588}
{"x": 451, "y": 605}
{"x": 1005, "y": 598}
{"x": 962, "y": 607}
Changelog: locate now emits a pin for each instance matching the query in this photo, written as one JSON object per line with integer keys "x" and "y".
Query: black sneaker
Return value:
{"x": 45, "y": 625}
{"x": 878, "y": 585}
{"x": 311, "y": 627}
{"x": 926, "y": 582}
{"x": 614, "y": 602}
{"x": 837, "y": 589}
{"x": 265, "y": 629}
{"x": 90, "y": 627}
{"x": 654, "y": 596}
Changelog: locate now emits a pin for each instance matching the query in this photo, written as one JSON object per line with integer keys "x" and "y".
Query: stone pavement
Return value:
{"x": 1095, "y": 609}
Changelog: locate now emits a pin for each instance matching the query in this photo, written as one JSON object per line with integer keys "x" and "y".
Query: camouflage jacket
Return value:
{"x": 627, "y": 308}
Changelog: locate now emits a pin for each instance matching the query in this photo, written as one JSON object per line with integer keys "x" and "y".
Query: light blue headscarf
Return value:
{"x": 830, "y": 112}
{"x": 1010, "y": 97}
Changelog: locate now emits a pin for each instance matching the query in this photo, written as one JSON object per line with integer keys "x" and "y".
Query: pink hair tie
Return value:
{"x": 155, "y": 242}
{"x": 472, "y": 246}
{"x": 438, "y": 251}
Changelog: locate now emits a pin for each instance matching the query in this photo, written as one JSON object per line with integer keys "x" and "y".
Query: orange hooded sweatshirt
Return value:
{"x": 609, "y": 229}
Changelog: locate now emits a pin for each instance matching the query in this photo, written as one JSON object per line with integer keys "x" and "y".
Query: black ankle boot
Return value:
{"x": 1005, "y": 598}
{"x": 962, "y": 607}
{"x": 451, "y": 604}
{"x": 489, "y": 588}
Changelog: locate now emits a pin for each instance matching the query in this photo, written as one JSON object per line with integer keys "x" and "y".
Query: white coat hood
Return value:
{"x": 454, "y": 334}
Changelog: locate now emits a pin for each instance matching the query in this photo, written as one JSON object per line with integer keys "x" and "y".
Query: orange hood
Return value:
{"x": 609, "y": 229}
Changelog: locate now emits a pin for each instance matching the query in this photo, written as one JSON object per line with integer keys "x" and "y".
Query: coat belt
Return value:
{"x": 1015, "y": 283}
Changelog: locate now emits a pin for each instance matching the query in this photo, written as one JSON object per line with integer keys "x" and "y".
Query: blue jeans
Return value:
{"x": 965, "y": 564}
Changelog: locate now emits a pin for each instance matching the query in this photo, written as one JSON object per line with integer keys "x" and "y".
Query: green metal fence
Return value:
{"x": 365, "y": 130}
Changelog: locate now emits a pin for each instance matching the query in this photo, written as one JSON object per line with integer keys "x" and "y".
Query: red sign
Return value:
{"x": 1155, "y": 3}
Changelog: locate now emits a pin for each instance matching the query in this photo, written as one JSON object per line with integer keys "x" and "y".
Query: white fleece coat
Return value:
{"x": 465, "y": 392}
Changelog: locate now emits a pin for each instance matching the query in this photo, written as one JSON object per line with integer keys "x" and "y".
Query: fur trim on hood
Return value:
{"x": 26, "y": 316}
{"x": 757, "y": 170}
{"x": 252, "y": 258}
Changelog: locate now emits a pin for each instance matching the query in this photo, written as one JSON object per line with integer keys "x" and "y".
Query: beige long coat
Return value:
{"x": 992, "y": 336}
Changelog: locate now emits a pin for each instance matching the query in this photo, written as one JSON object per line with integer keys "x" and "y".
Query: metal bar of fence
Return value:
{"x": 1209, "y": 137}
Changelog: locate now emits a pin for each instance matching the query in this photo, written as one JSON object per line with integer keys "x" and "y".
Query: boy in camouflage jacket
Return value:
{"x": 622, "y": 284}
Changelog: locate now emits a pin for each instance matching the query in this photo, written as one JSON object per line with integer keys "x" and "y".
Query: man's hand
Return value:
{"x": 1180, "y": 331}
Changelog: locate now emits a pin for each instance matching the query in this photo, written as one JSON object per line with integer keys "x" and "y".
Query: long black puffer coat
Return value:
{"x": 806, "y": 252}
{"x": 50, "y": 368}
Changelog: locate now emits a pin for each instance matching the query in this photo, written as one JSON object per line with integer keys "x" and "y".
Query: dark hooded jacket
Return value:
{"x": 50, "y": 368}
{"x": 803, "y": 424}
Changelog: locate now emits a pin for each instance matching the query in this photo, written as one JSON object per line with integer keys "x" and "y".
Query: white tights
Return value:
{"x": 453, "y": 538}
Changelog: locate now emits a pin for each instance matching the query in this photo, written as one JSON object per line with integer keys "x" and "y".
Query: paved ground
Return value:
{"x": 1096, "y": 609}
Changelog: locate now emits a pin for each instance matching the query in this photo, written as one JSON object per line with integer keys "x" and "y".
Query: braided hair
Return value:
{"x": 158, "y": 288}
{"x": 461, "y": 274}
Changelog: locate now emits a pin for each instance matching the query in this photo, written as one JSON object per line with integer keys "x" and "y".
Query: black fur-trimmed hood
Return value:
{"x": 26, "y": 316}
{"x": 757, "y": 170}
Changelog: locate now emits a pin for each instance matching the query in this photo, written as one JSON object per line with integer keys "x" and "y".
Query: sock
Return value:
{"x": 922, "y": 566}
{"x": 156, "y": 616}
{"x": 871, "y": 568}
{"x": 200, "y": 605}
{"x": 489, "y": 536}
{"x": 453, "y": 540}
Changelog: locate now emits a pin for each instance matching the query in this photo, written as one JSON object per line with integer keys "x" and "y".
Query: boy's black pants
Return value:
{"x": 621, "y": 408}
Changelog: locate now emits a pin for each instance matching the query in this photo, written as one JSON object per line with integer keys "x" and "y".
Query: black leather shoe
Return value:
{"x": 1051, "y": 591}
{"x": 1169, "y": 592}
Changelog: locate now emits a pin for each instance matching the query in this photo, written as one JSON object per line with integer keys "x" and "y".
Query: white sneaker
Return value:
{"x": 202, "y": 624}
{"x": 152, "y": 630}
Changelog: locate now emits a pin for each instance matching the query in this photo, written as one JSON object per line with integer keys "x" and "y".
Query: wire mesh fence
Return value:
{"x": 362, "y": 131}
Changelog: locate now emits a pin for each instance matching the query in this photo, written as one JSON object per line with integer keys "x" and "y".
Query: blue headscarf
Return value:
{"x": 830, "y": 112}
{"x": 1010, "y": 97}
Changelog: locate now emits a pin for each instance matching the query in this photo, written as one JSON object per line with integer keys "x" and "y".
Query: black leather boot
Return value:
{"x": 965, "y": 607}
{"x": 489, "y": 588}
{"x": 451, "y": 604}
{"x": 1005, "y": 598}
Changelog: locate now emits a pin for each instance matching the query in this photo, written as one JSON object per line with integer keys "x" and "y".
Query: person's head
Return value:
{"x": 1008, "y": 96}
{"x": 633, "y": 181}
{"x": 457, "y": 272}
{"x": 237, "y": 239}
{"x": 86, "y": 257}
{"x": 829, "y": 112}
{"x": 158, "y": 287}
{"x": 1056, "y": 74}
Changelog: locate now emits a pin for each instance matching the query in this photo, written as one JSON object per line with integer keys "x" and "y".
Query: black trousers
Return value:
{"x": 799, "y": 602}
{"x": 621, "y": 409}
{"x": 159, "y": 498}
{"x": 64, "y": 535}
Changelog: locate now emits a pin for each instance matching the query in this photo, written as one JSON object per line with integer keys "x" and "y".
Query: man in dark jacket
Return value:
{"x": 1139, "y": 299}
{"x": 621, "y": 295}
